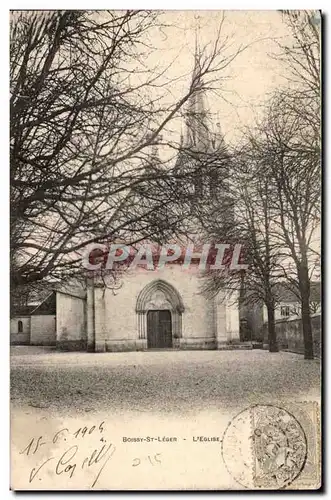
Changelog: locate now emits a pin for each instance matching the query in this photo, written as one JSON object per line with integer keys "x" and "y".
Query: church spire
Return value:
{"x": 201, "y": 143}
{"x": 197, "y": 134}
{"x": 197, "y": 52}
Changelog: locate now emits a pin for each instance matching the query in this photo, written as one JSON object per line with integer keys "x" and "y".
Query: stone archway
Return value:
{"x": 159, "y": 296}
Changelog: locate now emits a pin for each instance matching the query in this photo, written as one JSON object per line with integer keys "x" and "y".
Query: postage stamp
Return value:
{"x": 274, "y": 446}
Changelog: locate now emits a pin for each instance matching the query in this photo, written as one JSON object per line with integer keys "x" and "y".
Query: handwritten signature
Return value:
{"x": 69, "y": 461}
{"x": 73, "y": 459}
{"x": 68, "y": 464}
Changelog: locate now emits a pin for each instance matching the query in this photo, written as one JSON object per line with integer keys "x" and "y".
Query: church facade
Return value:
{"x": 159, "y": 309}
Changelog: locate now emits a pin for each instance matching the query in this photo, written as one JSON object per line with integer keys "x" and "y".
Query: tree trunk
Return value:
{"x": 307, "y": 331}
{"x": 305, "y": 313}
{"x": 273, "y": 345}
{"x": 306, "y": 325}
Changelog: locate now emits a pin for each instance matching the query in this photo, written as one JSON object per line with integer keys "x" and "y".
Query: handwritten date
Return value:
{"x": 69, "y": 461}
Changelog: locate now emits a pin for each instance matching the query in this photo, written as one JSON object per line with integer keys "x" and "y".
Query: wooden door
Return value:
{"x": 159, "y": 333}
{"x": 165, "y": 332}
{"x": 152, "y": 329}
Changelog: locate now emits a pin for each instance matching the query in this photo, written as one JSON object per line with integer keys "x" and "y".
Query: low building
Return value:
{"x": 34, "y": 324}
{"x": 288, "y": 305}
{"x": 254, "y": 315}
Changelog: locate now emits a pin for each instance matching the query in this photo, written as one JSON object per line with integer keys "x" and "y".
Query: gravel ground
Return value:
{"x": 156, "y": 381}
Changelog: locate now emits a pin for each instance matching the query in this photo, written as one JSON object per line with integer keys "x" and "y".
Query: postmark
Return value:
{"x": 265, "y": 446}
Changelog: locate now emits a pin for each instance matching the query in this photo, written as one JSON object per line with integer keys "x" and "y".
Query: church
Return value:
{"x": 152, "y": 309}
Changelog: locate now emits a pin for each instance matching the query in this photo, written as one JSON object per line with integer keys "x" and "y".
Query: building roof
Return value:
{"x": 22, "y": 311}
{"x": 45, "y": 305}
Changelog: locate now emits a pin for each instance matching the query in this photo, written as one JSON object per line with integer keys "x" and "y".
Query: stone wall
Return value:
{"x": 290, "y": 336}
{"x": 22, "y": 337}
{"x": 70, "y": 322}
{"x": 43, "y": 329}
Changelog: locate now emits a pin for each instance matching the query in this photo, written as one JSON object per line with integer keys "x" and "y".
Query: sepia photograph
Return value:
{"x": 165, "y": 250}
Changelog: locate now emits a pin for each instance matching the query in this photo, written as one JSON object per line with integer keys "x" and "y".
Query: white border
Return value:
{"x": 4, "y": 184}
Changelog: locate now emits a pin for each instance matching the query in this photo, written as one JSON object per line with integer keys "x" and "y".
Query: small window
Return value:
{"x": 285, "y": 311}
{"x": 20, "y": 327}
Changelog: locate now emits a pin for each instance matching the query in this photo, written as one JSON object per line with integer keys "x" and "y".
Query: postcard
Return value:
{"x": 165, "y": 195}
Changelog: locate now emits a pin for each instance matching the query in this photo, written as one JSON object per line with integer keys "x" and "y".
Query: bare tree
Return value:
{"x": 301, "y": 54}
{"x": 86, "y": 111}
{"x": 292, "y": 150}
{"x": 287, "y": 146}
{"x": 277, "y": 193}
{"x": 250, "y": 224}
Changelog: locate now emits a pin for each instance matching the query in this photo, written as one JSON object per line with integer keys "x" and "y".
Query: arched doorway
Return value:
{"x": 159, "y": 314}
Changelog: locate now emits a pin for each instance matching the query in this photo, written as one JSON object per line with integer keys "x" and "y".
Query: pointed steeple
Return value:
{"x": 197, "y": 53}
{"x": 197, "y": 133}
{"x": 202, "y": 142}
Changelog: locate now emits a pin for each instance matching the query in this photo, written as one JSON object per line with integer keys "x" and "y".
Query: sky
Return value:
{"x": 245, "y": 84}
